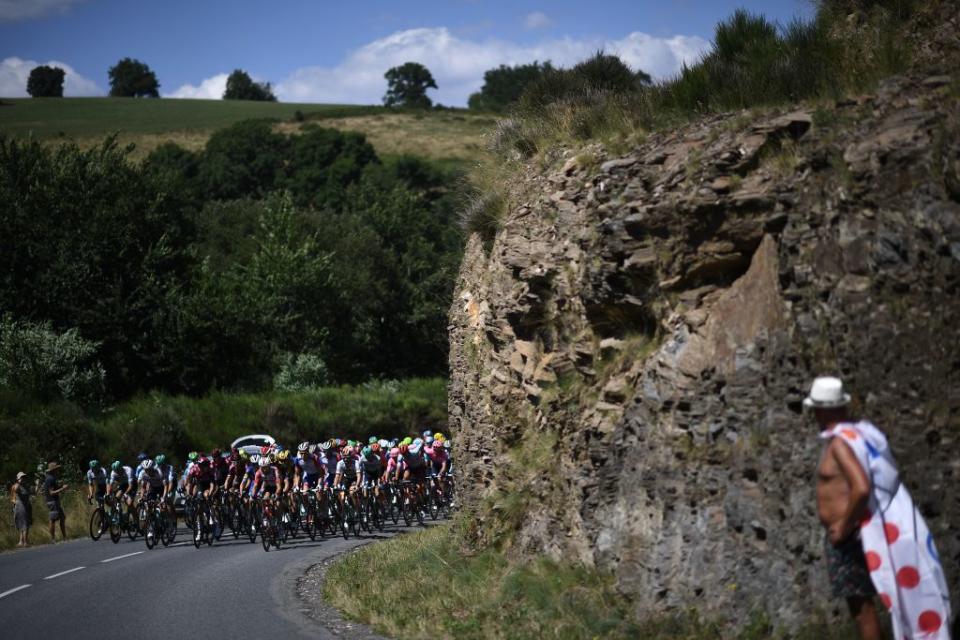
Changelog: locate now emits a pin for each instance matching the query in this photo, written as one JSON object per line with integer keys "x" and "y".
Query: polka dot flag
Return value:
{"x": 897, "y": 545}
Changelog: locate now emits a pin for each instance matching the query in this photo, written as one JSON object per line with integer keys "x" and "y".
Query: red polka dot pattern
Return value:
{"x": 892, "y": 532}
{"x": 908, "y": 577}
{"x": 929, "y": 621}
{"x": 849, "y": 434}
{"x": 887, "y": 602}
{"x": 873, "y": 560}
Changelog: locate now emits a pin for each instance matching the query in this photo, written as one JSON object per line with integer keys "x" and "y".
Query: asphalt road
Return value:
{"x": 234, "y": 589}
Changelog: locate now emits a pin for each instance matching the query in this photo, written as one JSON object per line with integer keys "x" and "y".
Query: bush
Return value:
{"x": 300, "y": 372}
{"x": 49, "y": 365}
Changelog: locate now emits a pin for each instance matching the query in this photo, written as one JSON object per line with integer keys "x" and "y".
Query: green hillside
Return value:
{"x": 83, "y": 117}
{"x": 454, "y": 136}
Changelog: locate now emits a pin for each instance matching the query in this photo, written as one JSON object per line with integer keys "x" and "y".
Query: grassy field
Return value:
{"x": 441, "y": 135}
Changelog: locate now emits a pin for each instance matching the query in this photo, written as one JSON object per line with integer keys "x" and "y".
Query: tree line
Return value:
{"x": 407, "y": 84}
{"x": 260, "y": 262}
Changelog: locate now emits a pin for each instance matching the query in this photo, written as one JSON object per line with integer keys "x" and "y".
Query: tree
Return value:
{"x": 132, "y": 78}
{"x": 407, "y": 86}
{"x": 46, "y": 82}
{"x": 504, "y": 85}
{"x": 241, "y": 87}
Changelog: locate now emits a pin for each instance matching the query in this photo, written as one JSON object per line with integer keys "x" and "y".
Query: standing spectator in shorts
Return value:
{"x": 22, "y": 509}
{"x": 52, "y": 488}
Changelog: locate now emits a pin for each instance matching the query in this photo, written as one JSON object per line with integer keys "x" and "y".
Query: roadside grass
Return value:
{"x": 427, "y": 585}
{"x": 74, "y": 503}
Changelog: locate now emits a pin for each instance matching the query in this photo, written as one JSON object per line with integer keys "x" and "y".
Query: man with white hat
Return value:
{"x": 877, "y": 542}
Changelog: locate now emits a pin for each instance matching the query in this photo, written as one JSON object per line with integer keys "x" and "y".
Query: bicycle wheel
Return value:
{"x": 171, "y": 525}
{"x": 406, "y": 510}
{"x": 116, "y": 530}
{"x": 127, "y": 520}
{"x": 308, "y": 520}
{"x": 150, "y": 532}
{"x": 197, "y": 533}
{"x": 96, "y": 524}
{"x": 420, "y": 507}
{"x": 433, "y": 504}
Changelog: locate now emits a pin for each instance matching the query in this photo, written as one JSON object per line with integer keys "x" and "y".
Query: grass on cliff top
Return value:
{"x": 845, "y": 49}
{"x": 425, "y": 585}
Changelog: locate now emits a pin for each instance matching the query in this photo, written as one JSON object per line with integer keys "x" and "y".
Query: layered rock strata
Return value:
{"x": 652, "y": 319}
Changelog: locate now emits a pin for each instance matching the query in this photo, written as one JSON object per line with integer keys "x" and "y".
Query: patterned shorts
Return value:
{"x": 847, "y": 568}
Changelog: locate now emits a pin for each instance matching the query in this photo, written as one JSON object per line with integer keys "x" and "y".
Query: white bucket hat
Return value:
{"x": 826, "y": 392}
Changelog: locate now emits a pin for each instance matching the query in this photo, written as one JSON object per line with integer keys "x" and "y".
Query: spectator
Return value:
{"x": 877, "y": 543}
{"x": 52, "y": 488}
{"x": 22, "y": 509}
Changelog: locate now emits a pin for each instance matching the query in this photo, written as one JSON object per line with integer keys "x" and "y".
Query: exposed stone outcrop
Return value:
{"x": 655, "y": 318}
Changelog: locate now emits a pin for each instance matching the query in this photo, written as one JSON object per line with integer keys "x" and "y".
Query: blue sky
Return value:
{"x": 315, "y": 51}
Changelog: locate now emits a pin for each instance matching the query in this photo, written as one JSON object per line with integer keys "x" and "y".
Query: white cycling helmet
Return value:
{"x": 384, "y": 443}
{"x": 255, "y": 458}
{"x": 147, "y": 464}
{"x": 303, "y": 447}
{"x": 264, "y": 461}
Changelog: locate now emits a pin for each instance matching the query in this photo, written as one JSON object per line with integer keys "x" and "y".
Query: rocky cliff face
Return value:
{"x": 629, "y": 357}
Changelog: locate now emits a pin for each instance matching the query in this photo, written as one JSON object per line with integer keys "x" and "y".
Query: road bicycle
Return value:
{"x": 99, "y": 519}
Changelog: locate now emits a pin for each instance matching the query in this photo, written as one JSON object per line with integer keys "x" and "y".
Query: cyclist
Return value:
{"x": 437, "y": 457}
{"x": 371, "y": 466}
{"x": 308, "y": 469}
{"x": 169, "y": 480}
{"x": 236, "y": 468}
{"x": 96, "y": 482}
{"x": 266, "y": 481}
{"x": 219, "y": 466}
{"x": 200, "y": 478}
{"x": 151, "y": 481}
{"x": 413, "y": 464}
{"x": 348, "y": 472}
{"x": 121, "y": 483}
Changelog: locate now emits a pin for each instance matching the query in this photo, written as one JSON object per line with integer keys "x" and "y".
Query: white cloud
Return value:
{"x": 14, "y": 73}
{"x": 537, "y": 20}
{"x": 458, "y": 64}
{"x": 11, "y": 10}
{"x": 210, "y": 89}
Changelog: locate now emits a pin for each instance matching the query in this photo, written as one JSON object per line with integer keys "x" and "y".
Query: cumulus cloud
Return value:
{"x": 458, "y": 63}
{"x": 537, "y": 20}
{"x": 11, "y": 10}
{"x": 210, "y": 89}
{"x": 14, "y": 73}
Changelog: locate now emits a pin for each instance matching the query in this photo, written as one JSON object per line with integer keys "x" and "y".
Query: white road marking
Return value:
{"x": 63, "y": 573}
{"x": 126, "y": 555}
{"x": 14, "y": 590}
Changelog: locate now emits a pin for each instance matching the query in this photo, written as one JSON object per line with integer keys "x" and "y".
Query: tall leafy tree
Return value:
{"x": 46, "y": 82}
{"x": 240, "y": 86}
{"x": 504, "y": 85}
{"x": 407, "y": 86}
{"x": 131, "y": 78}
